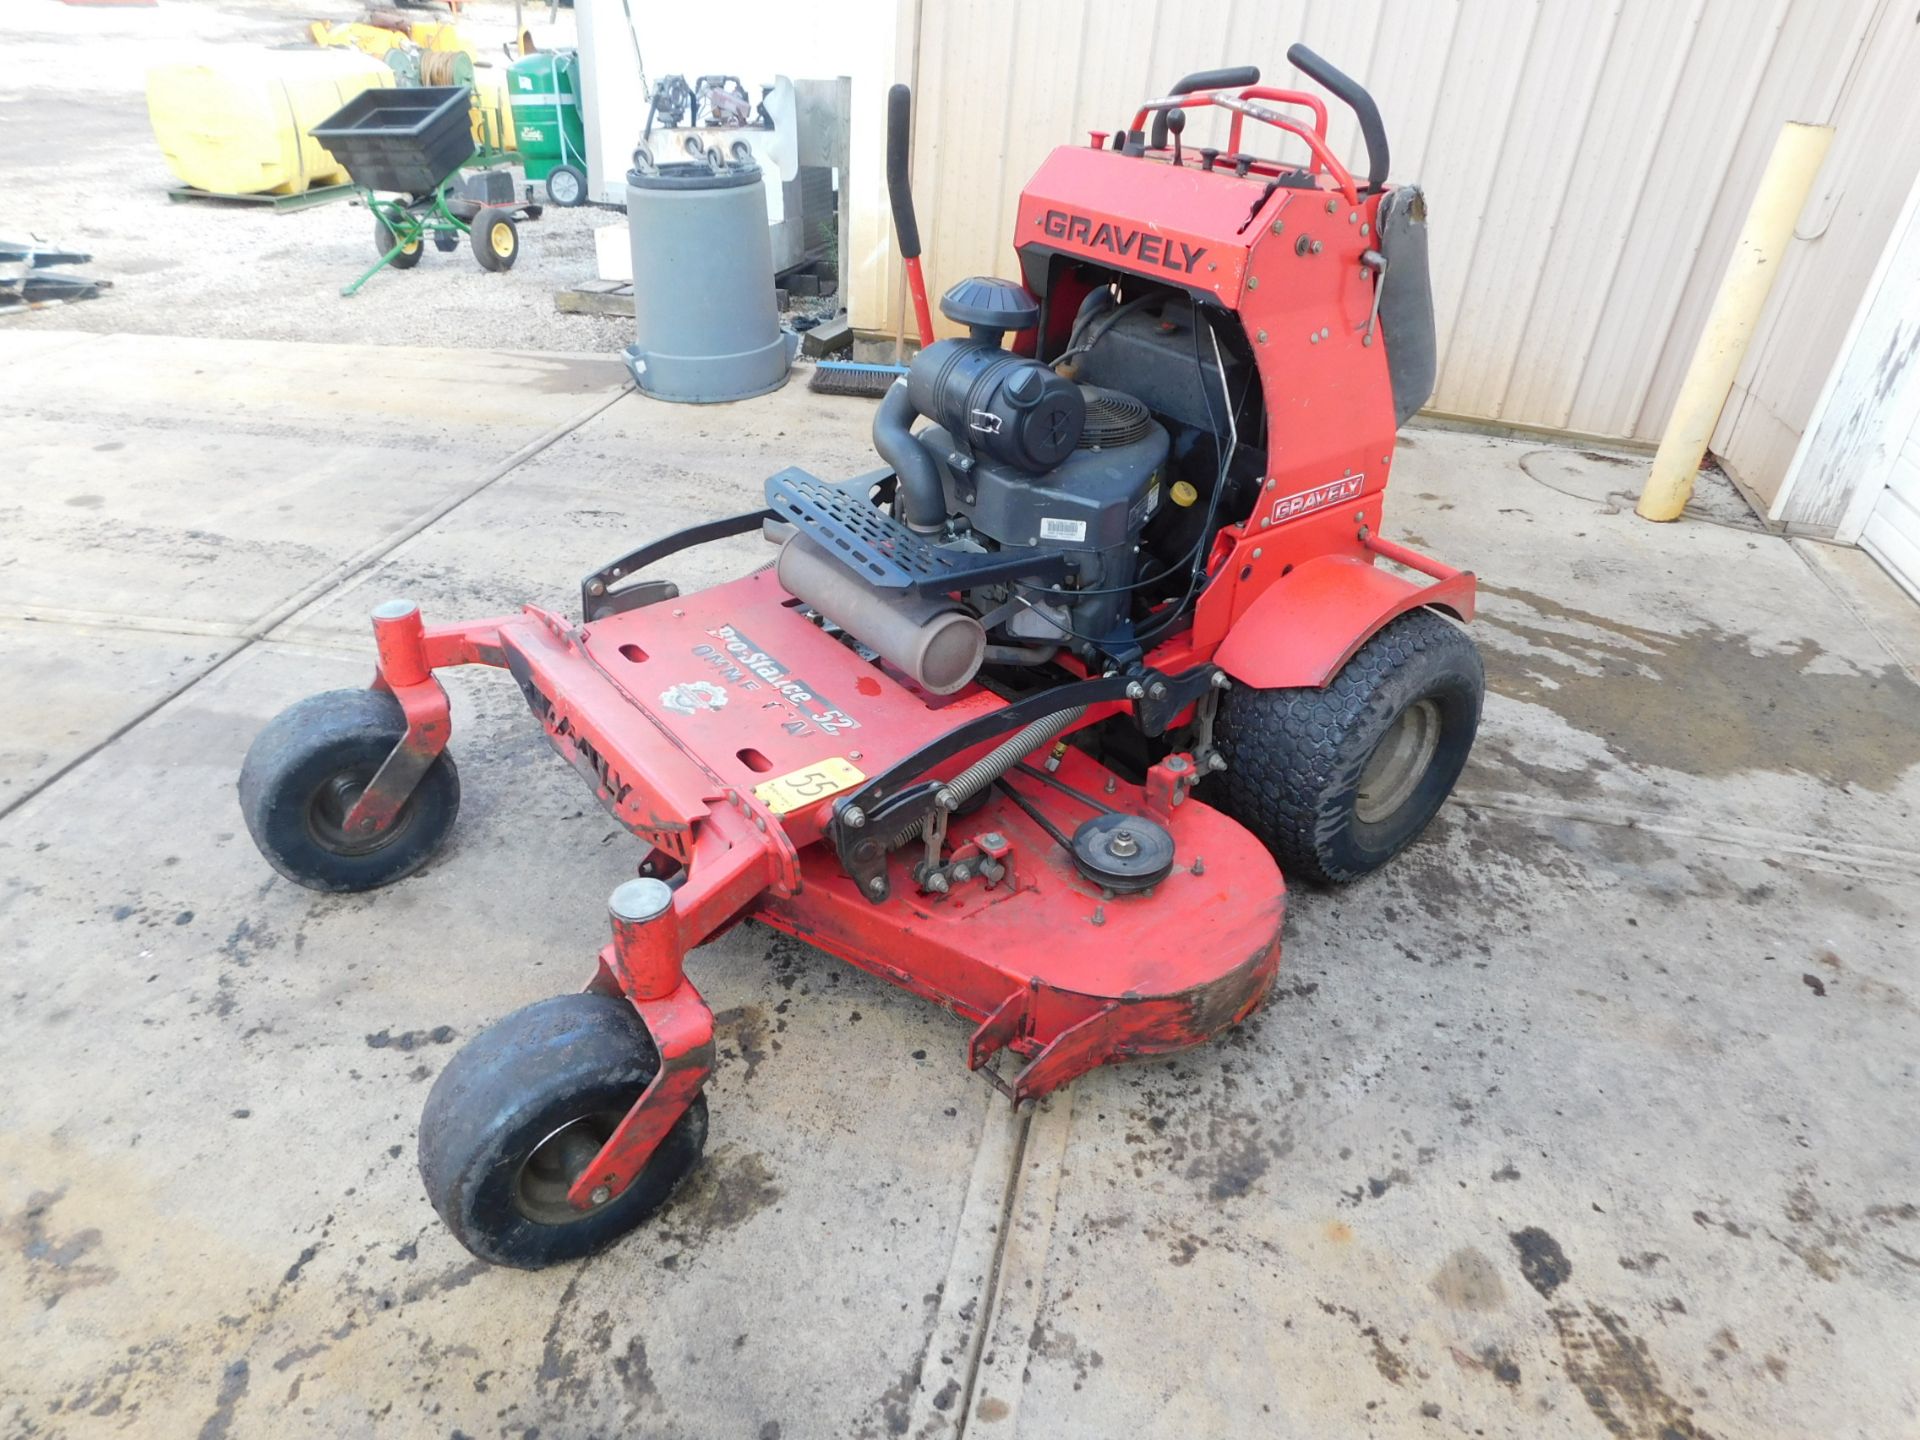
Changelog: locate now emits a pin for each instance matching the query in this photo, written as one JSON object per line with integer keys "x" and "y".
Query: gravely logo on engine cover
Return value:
{"x": 1141, "y": 245}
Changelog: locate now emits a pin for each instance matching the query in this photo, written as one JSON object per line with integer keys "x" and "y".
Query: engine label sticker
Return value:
{"x": 1141, "y": 245}
{"x": 1318, "y": 498}
{"x": 1053, "y": 528}
{"x": 741, "y": 662}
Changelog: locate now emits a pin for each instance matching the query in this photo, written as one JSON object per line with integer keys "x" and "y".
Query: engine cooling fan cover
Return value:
{"x": 1113, "y": 419}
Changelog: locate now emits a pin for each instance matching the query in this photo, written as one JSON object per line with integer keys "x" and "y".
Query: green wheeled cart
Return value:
{"x": 543, "y": 90}
{"x": 410, "y": 143}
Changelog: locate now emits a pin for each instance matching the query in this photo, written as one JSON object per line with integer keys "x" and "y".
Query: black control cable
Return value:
{"x": 1198, "y": 553}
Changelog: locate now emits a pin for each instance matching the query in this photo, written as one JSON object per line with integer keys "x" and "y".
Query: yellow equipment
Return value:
{"x": 376, "y": 40}
{"x": 236, "y": 123}
{"x": 492, "y": 121}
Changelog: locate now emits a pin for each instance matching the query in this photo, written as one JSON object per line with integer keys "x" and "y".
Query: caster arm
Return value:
{"x": 654, "y": 926}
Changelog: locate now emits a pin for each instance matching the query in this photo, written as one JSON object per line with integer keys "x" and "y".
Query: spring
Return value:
{"x": 991, "y": 766}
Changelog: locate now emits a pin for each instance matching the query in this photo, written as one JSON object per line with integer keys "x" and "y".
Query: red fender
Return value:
{"x": 1304, "y": 626}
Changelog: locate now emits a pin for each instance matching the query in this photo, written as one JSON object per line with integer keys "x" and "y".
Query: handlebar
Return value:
{"x": 899, "y": 141}
{"x": 1209, "y": 84}
{"x": 1345, "y": 88}
{"x": 1203, "y": 80}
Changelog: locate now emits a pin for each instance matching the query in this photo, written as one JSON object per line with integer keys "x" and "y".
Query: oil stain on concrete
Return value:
{"x": 1703, "y": 702}
{"x": 1617, "y": 1377}
{"x": 56, "y": 1263}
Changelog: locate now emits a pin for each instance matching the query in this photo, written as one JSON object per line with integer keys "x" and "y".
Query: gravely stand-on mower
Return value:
{"x": 953, "y": 736}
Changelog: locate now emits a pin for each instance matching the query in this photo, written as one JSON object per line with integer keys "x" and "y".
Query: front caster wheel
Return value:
{"x": 1339, "y": 780}
{"x": 305, "y": 771}
{"x": 521, "y": 1111}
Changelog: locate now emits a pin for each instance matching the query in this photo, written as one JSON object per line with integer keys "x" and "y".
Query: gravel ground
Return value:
{"x": 80, "y": 167}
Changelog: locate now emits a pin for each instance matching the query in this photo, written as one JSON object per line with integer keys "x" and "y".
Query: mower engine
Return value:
{"x": 1038, "y": 487}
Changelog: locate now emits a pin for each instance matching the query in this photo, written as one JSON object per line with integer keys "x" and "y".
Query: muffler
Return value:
{"x": 931, "y": 639}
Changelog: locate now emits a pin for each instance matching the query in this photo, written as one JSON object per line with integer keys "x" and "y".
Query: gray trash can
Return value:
{"x": 705, "y": 327}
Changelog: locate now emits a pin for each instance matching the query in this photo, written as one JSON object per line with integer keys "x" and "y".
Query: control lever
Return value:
{"x": 1176, "y": 123}
{"x": 1208, "y": 155}
{"x": 1375, "y": 261}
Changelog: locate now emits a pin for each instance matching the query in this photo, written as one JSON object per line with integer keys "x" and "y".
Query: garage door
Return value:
{"x": 1892, "y": 532}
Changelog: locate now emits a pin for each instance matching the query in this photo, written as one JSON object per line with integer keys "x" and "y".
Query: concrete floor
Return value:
{"x": 1591, "y": 1116}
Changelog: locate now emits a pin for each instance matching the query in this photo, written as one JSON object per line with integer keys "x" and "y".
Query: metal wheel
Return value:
{"x": 540, "y": 1185}
{"x": 334, "y": 800}
{"x": 1398, "y": 762}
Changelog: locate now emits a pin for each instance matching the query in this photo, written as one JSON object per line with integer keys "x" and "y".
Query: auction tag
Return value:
{"x": 802, "y": 787}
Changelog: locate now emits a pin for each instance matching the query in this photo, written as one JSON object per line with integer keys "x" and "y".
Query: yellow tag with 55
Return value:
{"x": 802, "y": 787}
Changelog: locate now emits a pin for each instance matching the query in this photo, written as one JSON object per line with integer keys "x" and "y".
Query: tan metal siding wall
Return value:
{"x": 1587, "y": 165}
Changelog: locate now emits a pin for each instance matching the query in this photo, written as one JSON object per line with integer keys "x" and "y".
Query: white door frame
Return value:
{"x": 1870, "y": 402}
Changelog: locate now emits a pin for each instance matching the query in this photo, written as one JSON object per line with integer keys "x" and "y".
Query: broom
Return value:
{"x": 871, "y": 381}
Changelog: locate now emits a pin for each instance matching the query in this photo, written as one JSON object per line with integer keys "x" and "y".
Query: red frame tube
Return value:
{"x": 1316, "y": 138}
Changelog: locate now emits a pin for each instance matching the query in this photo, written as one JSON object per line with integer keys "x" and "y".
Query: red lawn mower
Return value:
{"x": 1028, "y": 721}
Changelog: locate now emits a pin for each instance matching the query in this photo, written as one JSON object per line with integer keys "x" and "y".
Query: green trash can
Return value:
{"x": 543, "y": 90}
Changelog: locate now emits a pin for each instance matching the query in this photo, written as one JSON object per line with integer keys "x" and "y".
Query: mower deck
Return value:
{"x": 717, "y": 726}
{"x": 1054, "y": 969}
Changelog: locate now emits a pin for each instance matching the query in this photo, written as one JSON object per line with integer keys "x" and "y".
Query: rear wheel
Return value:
{"x": 1337, "y": 781}
{"x": 303, "y": 774}
{"x": 496, "y": 240}
{"x": 384, "y": 240}
{"x": 520, "y": 1112}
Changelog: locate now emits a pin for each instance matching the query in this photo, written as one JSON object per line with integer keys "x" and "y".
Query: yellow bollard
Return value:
{"x": 1736, "y": 309}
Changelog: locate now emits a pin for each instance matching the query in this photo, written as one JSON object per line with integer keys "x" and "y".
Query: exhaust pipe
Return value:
{"x": 932, "y": 640}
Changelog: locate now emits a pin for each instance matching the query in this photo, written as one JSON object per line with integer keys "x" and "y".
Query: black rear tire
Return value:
{"x": 495, "y": 1131}
{"x": 1337, "y": 781}
{"x": 384, "y": 240}
{"x": 305, "y": 770}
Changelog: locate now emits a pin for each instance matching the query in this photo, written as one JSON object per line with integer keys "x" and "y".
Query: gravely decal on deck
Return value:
{"x": 1318, "y": 498}
{"x": 1141, "y": 245}
{"x": 736, "y": 657}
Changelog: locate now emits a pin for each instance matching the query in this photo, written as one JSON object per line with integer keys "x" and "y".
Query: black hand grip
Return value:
{"x": 1217, "y": 79}
{"x": 899, "y": 146}
{"x": 1344, "y": 87}
{"x": 1203, "y": 80}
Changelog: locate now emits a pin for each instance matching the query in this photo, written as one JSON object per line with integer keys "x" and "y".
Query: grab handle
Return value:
{"x": 1344, "y": 87}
